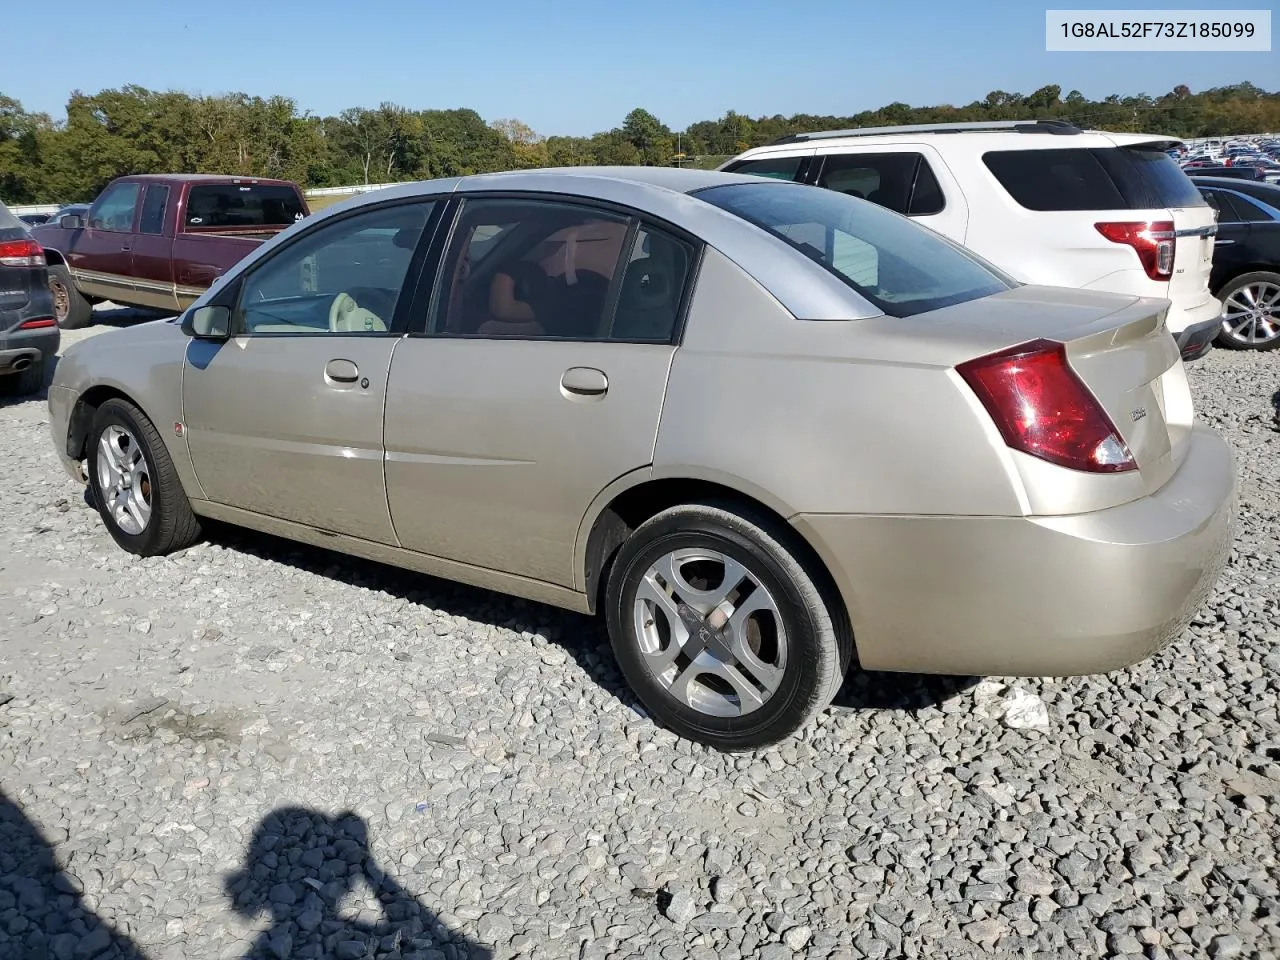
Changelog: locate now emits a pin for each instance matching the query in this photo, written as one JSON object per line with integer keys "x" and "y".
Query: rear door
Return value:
{"x": 152, "y": 267}
{"x": 530, "y": 393}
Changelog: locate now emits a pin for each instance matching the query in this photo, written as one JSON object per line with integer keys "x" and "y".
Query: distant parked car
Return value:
{"x": 767, "y": 430}
{"x": 1246, "y": 261}
{"x": 1045, "y": 200}
{"x": 28, "y": 334}
{"x": 159, "y": 241}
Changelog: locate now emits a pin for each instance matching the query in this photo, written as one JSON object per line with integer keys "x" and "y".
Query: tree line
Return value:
{"x": 135, "y": 130}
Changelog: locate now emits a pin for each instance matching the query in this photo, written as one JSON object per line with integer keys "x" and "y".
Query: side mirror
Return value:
{"x": 71, "y": 222}
{"x": 208, "y": 323}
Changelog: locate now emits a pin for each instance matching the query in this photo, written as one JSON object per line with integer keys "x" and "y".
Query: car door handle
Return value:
{"x": 584, "y": 382}
{"x": 342, "y": 371}
{"x": 1222, "y": 243}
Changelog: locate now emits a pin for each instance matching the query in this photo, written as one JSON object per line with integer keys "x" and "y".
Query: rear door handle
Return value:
{"x": 1222, "y": 243}
{"x": 584, "y": 382}
{"x": 342, "y": 371}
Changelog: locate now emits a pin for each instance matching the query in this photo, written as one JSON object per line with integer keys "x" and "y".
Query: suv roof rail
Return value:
{"x": 1059, "y": 127}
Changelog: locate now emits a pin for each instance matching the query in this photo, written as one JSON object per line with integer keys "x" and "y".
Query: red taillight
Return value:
{"x": 1153, "y": 241}
{"x": 1042, "y": 408}
{"x": 21, "y": 253}
{"x": 38, "y": 324}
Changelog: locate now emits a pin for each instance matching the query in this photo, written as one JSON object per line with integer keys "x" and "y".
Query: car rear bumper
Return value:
{"x": 1044, "y": 596}
{"x": 20, "y": 349}
{"x": 1197, "y": 340}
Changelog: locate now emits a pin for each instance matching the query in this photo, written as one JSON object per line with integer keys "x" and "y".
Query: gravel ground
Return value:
{"x": 260, "y": 749}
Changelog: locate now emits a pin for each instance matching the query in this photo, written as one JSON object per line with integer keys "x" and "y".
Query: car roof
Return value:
{"x": 1269, "y": 192}
{"x": 201, "y": 178}
{"x": 966, "y": 137}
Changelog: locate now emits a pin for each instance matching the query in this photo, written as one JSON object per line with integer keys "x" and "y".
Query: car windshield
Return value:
{"x": 901, "y": 267}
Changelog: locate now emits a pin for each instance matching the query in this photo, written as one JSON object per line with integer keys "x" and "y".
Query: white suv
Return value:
{"x": 1044, "y": 200}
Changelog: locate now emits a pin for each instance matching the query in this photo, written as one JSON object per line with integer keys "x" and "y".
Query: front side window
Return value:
{"x": 345, "y": 277}
{"x": 901, "y": 267}
{"x": 530, "y": 269}
{"x": 114, "y": 209}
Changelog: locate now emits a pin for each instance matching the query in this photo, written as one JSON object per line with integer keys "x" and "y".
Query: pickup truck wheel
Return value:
{"x": 69, "y": 304}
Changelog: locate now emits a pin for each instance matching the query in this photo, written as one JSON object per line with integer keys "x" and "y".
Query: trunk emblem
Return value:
{"x": 1138, "y": 413}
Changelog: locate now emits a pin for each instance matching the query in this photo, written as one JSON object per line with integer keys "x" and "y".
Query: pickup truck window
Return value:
{"x": 153, "y": 207}
{"x": 115, "y": 208}
{"x": 221, "y": 205}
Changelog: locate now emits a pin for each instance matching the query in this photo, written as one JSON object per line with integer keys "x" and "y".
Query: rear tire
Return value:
{"x": 149, "y": 515}
{"x": 71, "y": 307}
{"x": 686, "y": 664}
{"x": 1252, "y": 299}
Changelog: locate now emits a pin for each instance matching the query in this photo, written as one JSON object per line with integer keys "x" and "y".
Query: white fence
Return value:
{"x": 20, "y": 209}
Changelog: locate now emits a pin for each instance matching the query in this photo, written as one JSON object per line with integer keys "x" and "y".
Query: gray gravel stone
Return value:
{"x": 497, "y": 768}
{"x": 680, "y": 908}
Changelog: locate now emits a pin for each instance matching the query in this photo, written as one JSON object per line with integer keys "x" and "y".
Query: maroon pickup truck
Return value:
{"x": 160, "y": 240}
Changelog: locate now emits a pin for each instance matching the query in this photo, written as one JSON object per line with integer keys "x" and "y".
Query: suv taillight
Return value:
{"x": 1154, "y": 242}
{"x": 21, "y": 253}
{"x": 1042, "y": 408}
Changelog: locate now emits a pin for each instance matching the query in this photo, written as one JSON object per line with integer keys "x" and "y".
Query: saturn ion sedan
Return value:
{"x": 767, "y": 430}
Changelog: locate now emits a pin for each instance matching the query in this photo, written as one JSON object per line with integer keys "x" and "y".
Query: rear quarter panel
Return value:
{"x": 860, "y": 416}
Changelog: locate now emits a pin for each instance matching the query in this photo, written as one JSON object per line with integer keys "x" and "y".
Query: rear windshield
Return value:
{"x": 898, "y": 265}
{"x": 1102, "y": 178}
{"x": 242, "y": 205}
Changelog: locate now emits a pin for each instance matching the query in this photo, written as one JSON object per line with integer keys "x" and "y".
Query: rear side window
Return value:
{"x": 1106, "y": 178}
{"x": 8, "y": 221}
{"x": 779, "y": 168}
{"x": 903, "y": 182}
{"x": 901, "y": 267}
{"x": 154, "y": 202}
{"x": 242, "y": 205}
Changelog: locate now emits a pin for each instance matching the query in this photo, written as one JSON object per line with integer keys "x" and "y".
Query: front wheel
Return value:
{"x": 135, "y": 485}
{"x": 720, "y": 630}
{"x": 1251, "y": 312}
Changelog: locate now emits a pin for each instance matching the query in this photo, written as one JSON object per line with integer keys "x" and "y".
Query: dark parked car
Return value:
{"x": 28, "y": 332}
{"x": 34, "y": 219}
{"x": 1246, "y": 261}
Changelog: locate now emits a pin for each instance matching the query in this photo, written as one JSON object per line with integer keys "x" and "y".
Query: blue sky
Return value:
{"x": 577, "y": 67}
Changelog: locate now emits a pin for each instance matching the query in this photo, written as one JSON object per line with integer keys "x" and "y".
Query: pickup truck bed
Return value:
{"x": 159, "y": 241}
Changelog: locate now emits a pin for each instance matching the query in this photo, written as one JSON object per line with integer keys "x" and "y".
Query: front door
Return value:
{"x": 101, "y": 258}
{"x": 285, "y": 418}
{"x": 530, "y": 393}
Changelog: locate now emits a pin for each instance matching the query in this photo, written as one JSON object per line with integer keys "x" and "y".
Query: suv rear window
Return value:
{"x": 902, "y": 267}
{"x": 1102, "y": 178}
{"x": 242, "y": 205}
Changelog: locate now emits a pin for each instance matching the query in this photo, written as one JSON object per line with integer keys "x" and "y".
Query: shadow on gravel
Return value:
{"x": 582, "y": 637}
{"x": 7, "y": 399}
{"x": 300, "y": 866}
{"x": 878, "y": 690}
{"x": 1275, "y": 403}
{"x": 41, "y": 911}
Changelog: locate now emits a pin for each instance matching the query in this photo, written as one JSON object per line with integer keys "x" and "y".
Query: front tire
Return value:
{"x": 134, "y": 484}
{"x": 1251, "y": 312}
{"x": 72, "y": 309}
{"x": 720, "y": 630}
